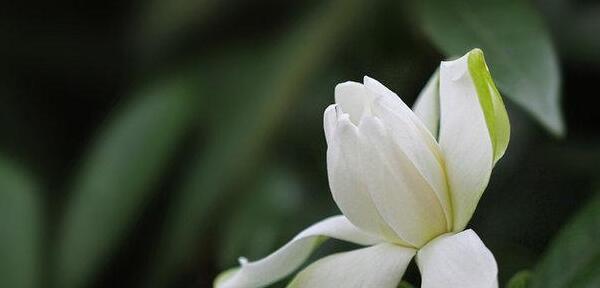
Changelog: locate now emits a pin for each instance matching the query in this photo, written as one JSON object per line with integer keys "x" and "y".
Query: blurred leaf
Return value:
{"x": 573, "y": 258}
{"x": 257, "y": 224}
{"x": 576, "y": 26}
{"x": 519, "y": 280}
{"x": 20, "y": 228}
{"x": 241, "y": 136}
{"x": 513, "y": 37}
{"x": 118, "y": 176}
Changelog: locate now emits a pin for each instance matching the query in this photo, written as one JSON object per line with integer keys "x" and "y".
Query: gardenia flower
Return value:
{"x": 407, "y": 183}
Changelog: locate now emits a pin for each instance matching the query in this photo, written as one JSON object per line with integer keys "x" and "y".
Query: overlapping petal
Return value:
{"x": 402, "y": 195}
{"x": 459, "y": 260}
{"x": 380, "y": 266}
{"x": 289, "y": 257}
{"x": 347, "y": 177}
{"x": 367, "y": 188}
{"x": 393, "y": 102}
{"x": 427, "y": 105}
{"x": 411, "y": 136}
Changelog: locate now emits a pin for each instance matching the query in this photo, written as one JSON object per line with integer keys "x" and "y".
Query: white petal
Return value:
{"x": 414, "y": 139}
{"x": 394, "y": 103}
{"x": 289, "y": 257}
{"x": 427, "y": 106}
{"x": 380, "y": 266}
{"x": 402, "y": 195}
{"x": 352, "y": 98}
{"x": 378, "y": 88}
{"x": 459, "y": 260}
{"x": 347, "y": 176}
{"x": 464, "y": 139}
{"x": 330, "y": 122}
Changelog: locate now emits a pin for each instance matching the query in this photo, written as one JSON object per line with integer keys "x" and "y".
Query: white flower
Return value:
{"x": 407, "y": 183}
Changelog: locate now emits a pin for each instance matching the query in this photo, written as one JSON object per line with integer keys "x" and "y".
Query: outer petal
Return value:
{"x": 473, "y": 131}
{"x": 402, "y": 195}
{"x": 379, "y": 266}
{"x": 459, "y": 260}
{"x": 427, "y": 106}
{"x": 289, "y": 257}
{"x": 346, "y": 175}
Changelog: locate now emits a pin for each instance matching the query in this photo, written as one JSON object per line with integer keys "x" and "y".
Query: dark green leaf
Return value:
{"x": 20, "y": 228}
{"x": 517, "y": 46}
{"x": 573, "y": 258}
{"x": 117, "y": 178}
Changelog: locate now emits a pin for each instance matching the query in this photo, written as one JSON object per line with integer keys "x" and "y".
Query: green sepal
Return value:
{"x": 491, "y": 102}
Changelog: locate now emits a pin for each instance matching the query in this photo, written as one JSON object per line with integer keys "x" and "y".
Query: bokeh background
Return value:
{"x": 151, "y": 143}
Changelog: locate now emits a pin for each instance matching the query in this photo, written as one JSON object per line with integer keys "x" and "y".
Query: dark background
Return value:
{"x": 70, "y": 70}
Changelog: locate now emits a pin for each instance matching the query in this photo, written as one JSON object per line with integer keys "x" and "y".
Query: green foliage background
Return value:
{"x": 151, "y": 143}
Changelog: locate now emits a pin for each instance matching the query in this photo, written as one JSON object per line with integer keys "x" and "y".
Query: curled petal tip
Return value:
{"x": 243, "y": 261}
